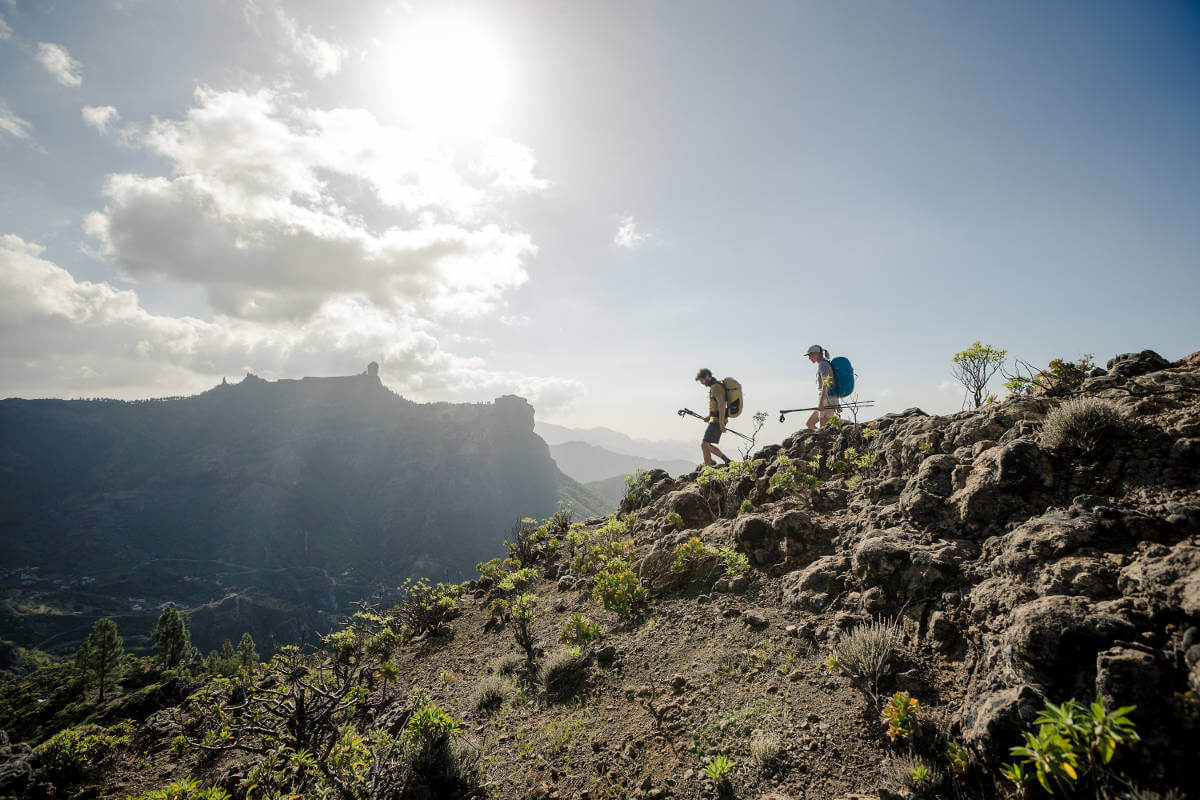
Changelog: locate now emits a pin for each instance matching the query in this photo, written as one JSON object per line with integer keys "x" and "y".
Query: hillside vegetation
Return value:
{"x": 882, "y": 610}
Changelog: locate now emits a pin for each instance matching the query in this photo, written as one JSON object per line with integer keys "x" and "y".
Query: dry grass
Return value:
{"x": 866, "y": 650}
{"x": 1084, "y": 424}
{"x": 491, "y": 692}
{"x": 563, "y": 673}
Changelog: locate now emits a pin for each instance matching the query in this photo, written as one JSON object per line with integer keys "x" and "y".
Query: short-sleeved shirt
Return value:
{"x": 715, "y": 389}
{"x": 824, "y": 376}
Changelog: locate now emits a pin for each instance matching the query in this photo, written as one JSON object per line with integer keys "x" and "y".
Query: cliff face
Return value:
{"x": 309, "y": 492}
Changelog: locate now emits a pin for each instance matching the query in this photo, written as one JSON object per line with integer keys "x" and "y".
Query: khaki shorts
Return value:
{"x": 830, "y": 412}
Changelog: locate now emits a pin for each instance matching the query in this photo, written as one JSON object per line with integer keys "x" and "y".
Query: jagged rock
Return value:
{"x": 690, "y": 505}
{"x": 657, "y": 570}
{"x": 1129, "y": 365}
{"x": 754, "y": 536}
{"x": 924, "y": 496}
{"x": 1001, "y": 483}
{"x": 1127, "y": 676}
{"x": 992, "y": 721}
{"x": 1053, "y": 641}
{"x": 1169, "y": 578}
{"x": 813, "y": 587}
{"x": 755, "y": 618}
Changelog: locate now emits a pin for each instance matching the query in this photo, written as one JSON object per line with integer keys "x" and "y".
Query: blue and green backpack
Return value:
{"x": 843, "y": 377}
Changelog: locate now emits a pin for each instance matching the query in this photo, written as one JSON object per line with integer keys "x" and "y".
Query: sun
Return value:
{"x": 446, "y": 74}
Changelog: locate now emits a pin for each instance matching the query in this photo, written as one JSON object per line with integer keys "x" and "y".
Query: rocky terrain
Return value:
{"x": 258, "y": 506}
{"x": 1032, "y": 551}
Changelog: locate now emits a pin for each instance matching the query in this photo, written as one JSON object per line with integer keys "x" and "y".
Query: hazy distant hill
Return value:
{"x": 290, "y": 497}
{"x": 586, "y": 462}
{"x": 618, "y": 442}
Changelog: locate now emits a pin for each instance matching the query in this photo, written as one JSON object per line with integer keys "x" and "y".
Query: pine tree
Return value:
{"x": 83, "y": 664}
{"x": 103, "y": 654}
{"x": 246, "y": 654}
{"x": 171, "y": 638}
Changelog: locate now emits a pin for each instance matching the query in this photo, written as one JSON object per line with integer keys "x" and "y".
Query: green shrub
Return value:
{"x": 690, "y": 551}
{"x": 434, "y": 751}
{"x": 908, "y": 772}
{"x": 735, "y": 563}
{"x": 518, "y": 580}
{"x": 563, "y": 673}
{"x": 865, "y": 651}
{"x": 75, "y": 754}
{"x": 1065, "y": 735}
{"x": 617, "y": 588}
{"x": 426, "y": 607}
{"x": 717, "y": 770}
{"x": 579, "y": 630}
{"x": 523, "y": 613}
{"x": 746, "y": 507}
{"x": 491, "y": 692}
{"x": 675, "y": 520}
{"x": 789, "y": 476}
{"x": 637, "y": 489}
{"x": 492, "y": 570}
{"x": 600, "y": 555}
{"x": 497, "y": 611}
{"x": 1084, "y": 424}
{"x": 185, "y": 789}
{"x": 900, "y": 713}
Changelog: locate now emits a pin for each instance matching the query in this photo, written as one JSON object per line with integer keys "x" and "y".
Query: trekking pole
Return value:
{"x": 857, "y": 404}
{"x": 683, "y": 412}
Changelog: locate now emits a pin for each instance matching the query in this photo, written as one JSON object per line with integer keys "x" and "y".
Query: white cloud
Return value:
{"x": 58, "y": 334}
{"x": 514, "y": 320}
{"x": 13, "y": 125}
{"x": 58, "y": 62}
{"x": 322, "y": 56}
{"x": 249, "y": 213}
{"x": 628, "y": 235}
{"x": 100, "y": 117}
{"x": 5, "y": 30}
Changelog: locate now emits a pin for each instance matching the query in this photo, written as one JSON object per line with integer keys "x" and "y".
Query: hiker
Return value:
{"x": 827, "y": 405}
{"x": 718, "y": 413}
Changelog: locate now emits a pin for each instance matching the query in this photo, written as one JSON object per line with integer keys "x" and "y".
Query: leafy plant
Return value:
{"x": 1059, "y": 376}
{"x": 675, "y": 520}
{"x": 1070, "y": 731}
{"x": 900, "y": 713}
{"x": 74, "y": 754}
{"x": 717, "y": 770}
{"x": 523, "y": 613}
{"x": 919, "y": 773}
{"x": 757, "y": 421}
{"x": 746, "y": 507}
{"x": 789, "y": 476}
{"x": 975, "y": 366}
{"x": 425, "y": 607}
{"x": 690, "y": 551}
{"x": 637, "y": 489}
{"x": 617, "y": 588}
{"x": 517, "y": 580}
{"x": 185, "y": 789}
{"x": 735, "y": 563}
{"x": 491, "y": 570}
{"x": 497, "y": 611}
{"x": 957, "y": 756}
{"x": 579, "y": 630}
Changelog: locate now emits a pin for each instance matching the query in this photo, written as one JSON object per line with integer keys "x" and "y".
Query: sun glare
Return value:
{"x": 447, "y": 75}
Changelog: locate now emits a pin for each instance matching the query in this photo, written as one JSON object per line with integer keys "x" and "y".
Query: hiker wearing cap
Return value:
{"x": 718, "y": 413}
{"x": 827, "y": 405}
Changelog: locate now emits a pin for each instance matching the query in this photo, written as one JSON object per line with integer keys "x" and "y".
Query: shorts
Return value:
{"x": 712, "y": 434}
{"x": 830, "y": 412}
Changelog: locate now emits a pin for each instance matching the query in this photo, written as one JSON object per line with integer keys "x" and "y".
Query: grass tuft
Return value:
{"x": 866, "y": 650}
{"x": 1084, "y": 424}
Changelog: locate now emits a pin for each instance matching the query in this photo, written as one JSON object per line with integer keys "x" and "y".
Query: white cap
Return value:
{"x": 816, "y": 348}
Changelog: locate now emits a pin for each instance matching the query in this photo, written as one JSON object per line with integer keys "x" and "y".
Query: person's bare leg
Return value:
{"x": 719, "y": 453}
{"x": 705, "y": 448}
{"x": 813, "y": 420}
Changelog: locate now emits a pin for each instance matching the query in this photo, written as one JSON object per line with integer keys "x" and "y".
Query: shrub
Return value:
{"x": 637, "y": 489}
{"x": 564, "y": 673}
{"x": 497, "y": 611}
{"x": 601, "y": 554}
{"x": 492, "y": 570}
{"x": 506, "y": 664}
{"x": 579, "y": 630}
{"x": 675, "y": 520}
{"x": 74, "y": 754}
{"x": 865, "y": 651}
{"x": 766, "y": 750}
{"x": 746, "y": 507}
{"x": 975, "y": 366}
{"x": 788, "y": 477}
{"x": 491, "y": 692}
{"x": 908, "y": 772}
{"x": 1084, "y": 424}
{"x": 426, "y": 607}
{"x": 185, "y": 789}
{"x": 691, "y": 550}
{"x": 735, "y": 563}
{"x": 900, "y": 713}
{"x": 617, "y": 589}
{"x": 434, "y": 752}
{"x": 524, "y": 612}
{"x": 518, "y": 580}
{"x": 1066, "y": 734}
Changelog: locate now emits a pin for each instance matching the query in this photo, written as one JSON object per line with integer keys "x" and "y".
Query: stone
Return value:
{"x": 923, "y": 497}
{"x": 992, "y": 722}
{"x": 1129, "y": 365}
{"x": 1055, "y": 639}
{"x": 690, "y": 505}
{"x": 813, "y": 587}
{"x": 754, "y": 618}
{"x": 1127, "y": 676}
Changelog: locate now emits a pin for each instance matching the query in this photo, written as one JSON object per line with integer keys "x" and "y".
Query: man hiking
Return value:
{"x": 718, "y": 414}
{"x": 827, "y": 405}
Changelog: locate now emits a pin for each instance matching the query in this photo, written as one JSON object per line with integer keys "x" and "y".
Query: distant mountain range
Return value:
{"x": 587, "y": 462}
{"x": 617, "y": 442}
{"x": 261, "y": 506}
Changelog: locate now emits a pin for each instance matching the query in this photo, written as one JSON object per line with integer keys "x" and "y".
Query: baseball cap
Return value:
{"x": 816, "y": 348}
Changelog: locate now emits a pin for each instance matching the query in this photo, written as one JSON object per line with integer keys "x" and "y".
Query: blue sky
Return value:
{"x": 585, "y": 202}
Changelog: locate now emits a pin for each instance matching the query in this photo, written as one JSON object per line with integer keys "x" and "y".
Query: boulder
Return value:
{"x": 993, "y": 722}
{"x": 1168, "y": 578}
{"x": 924, "y": 496}
{"x": 691, "y": 506}
{"x": 1129, "y": 365}
{"x": 1052, "y": 642}
{"x": 1129, "y": 677}
{"x": 815, "y": 586}
{"x": 754, "y": 536}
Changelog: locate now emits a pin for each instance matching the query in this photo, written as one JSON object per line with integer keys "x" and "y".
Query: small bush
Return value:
{"x": 492, "y": 570}
{"x": 1084, "y": 424}
{"x": 497, "y": 611}
{"x": 426, "y": 607}
{"x": 518, "y": 580}
{"x": 766, "y": 750}
{"x": 617, "y": 589}
{"x": 579, "y": 630}
{"x": 185, "y": 789}
{"x": 717, "y": 770}
{"x": 907, "y": 772}
{"x": 746, "y": 507}
{"x": 434, "y": 752}
{"x": 491, "y": 692}
{"x": 507, "y": 664}
{"x": 900, "y": 713}
{"x": 865, "y": 651}
{"x": 675, "y": 520}
{"x": 690, "y": 551}
{"x": 74, "y": 754}
{"x": 735, "y": 563}
{"x": 563, "y": 673}
{"x": 637, "y": 489}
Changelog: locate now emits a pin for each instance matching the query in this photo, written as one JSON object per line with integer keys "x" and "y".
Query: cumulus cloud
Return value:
{"x": 12, "y": 125}
{"x": 5, "y": 30}
{"x": 100, "y": 117}
{"x": 628, "y": 235}
{"x": 57, "y": 332}
{"x": 251, "y": 215}
{"x": 58, "y": 62}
